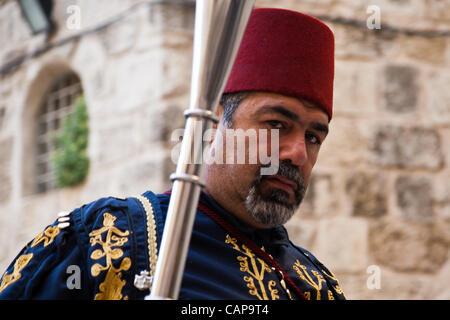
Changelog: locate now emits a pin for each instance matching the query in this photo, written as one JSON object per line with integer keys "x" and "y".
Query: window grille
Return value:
{"x": 58, "y": 102}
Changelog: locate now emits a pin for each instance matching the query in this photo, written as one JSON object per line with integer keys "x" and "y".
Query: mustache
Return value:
{"x": 291, "y": 172}
{"x": 273, "y": 209}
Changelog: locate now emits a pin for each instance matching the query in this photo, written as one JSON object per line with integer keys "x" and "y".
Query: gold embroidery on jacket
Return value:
{"x": 20, "y": 263}
{"x": 302, "y": 271}
{"x": 336, "y": 287}
{"x": 48, "y": 235}
{"x": 111, "y": 287}
{"x": 330, "y": 295}
{"x": 255, "y": 273}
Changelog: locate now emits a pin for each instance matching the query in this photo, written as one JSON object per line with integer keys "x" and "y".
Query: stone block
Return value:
{"x": 91, "y": 13}
{"x": 302, "y": 232}
{"x": 151, "y": 76}
{"x": 134, "y": 84}
{"x": 440, "y": 290}
{"x": 144, "y": 174}
{"x": 441, "y": 196}
{"x": 341, "y": 244}
{"x": 2, "y": 116}
{"x": 355, "y": 88}
{"x": 169, "y": 167}
{"x": 400, "y": 286}
{"x": 424, "y": 49}
{"x": 407, "y": 246}
{"x": 164, "y": 124}
{"x": 121, "y": 36}
{"x": 101, "y": 182}
{"x": 89, "y": 61}
{"x": 112, "y": 142}
{"x": 437, "y": 10}
{"x": 393, "y": 285}
{"x": 396, "y": 12}
{"x": 367, "y": 193}
{"x": 346, "y": 143}
{"x": 445, "y": 134}
{"x": 178, "y": 14}
{"x": 36, "y": 213}
{"x": 320, "y": 198}
{"x": 171, "y": 119}
{"x": 401, "y": 88}
{"x": 362, "y": 43}
{"x": 414, "y": 198}
{"x": 6, "y": 147}
{"x": 447, "y": 55}
{"x": 407, "y": 147}
{"x": 166, "y": 25}
{"x": 7, "y": 220}
{"x": 438, "y": 104}
{"x": 14, "y": 28}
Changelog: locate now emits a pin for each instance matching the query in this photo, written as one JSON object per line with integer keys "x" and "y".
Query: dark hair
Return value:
{"x": 230, "y": 102}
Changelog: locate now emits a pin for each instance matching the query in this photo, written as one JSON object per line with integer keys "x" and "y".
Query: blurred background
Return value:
{"x": 91, "y": 91}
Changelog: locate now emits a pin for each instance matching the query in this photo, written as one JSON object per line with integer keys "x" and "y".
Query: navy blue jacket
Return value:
{"x": 105, "y": 245}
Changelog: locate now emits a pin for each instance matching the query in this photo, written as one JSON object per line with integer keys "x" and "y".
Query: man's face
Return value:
{"x": 270, "y": 200}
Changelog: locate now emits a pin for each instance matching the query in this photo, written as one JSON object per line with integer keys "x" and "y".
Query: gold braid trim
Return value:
{"x": 20, "y": 263}
{"x": 302, "y": 271}
{"x": 249, "y": 264}
{"x": 47, "y": 237}
{"x": 111, "y": 287}
{"x": 151, "y": 232}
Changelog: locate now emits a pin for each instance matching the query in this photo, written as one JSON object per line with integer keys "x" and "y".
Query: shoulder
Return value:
{"x": 121, "y": 237}
{"x": 305, "y": 253}
{"x": 116, "y": 211}
{"x": 312, "y": 258}
{"x": 93, "y": 236}
{"x": 90, "y": 214}
{"x": 125, "y": 218}
{"x": 327, "y": 274}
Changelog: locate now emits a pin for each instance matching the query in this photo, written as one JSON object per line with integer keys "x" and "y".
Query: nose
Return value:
{"x": 295, "y": 151}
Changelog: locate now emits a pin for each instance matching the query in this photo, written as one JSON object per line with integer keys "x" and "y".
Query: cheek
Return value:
{"x": 313, "y": 153}
{"x": 242, "y": 177}
{"x": 306, "y": 171}
{"x": 267, "y": 146}
{"x": 246, "y": 173}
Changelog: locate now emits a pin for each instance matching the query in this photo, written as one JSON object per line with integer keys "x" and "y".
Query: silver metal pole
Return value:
{"x": 219, "y": 27}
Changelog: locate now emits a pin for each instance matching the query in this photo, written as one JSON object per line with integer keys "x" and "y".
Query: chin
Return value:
{"x": 269, "y": 211}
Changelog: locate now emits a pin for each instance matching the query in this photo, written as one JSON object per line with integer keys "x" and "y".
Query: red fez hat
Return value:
{"x": 286, "y": 52}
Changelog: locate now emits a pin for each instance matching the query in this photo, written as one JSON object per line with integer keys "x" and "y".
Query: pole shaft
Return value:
{"x": 219, "y": 27}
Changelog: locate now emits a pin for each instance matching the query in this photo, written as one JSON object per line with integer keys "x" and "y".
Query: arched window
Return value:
{"x": 58, "y": 102}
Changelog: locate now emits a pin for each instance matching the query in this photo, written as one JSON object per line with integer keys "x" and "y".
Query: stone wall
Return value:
{"x": 377, "y": 211}
{"x": 134, "y": 60}
{"x": 378, "y": 203}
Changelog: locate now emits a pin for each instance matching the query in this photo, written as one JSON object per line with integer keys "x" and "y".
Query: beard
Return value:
{"x": 273, "y": 209}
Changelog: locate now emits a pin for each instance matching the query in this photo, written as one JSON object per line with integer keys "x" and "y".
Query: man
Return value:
{"x": 282, "y": 80}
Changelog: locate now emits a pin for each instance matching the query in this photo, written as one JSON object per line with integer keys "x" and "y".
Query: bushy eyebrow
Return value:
{"x": 293, "y": 116}
{"x": 320, "y": 127}
{"x": 281, "y": 110}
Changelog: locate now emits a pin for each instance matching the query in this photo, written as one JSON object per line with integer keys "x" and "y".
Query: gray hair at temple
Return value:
{"x": 230, "y": 102}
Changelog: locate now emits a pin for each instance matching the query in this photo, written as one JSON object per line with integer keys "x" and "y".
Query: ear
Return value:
{"x": 219, "y": 114}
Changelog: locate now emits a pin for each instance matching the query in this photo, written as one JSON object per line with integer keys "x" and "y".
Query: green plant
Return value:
{"x": 70, "y": 159}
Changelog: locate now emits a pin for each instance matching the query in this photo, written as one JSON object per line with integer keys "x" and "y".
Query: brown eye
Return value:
{"x": 313, "y": 139}
{"x": 275, "y": 124}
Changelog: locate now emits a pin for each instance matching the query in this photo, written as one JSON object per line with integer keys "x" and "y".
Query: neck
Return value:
{"x": 236, "y": 208}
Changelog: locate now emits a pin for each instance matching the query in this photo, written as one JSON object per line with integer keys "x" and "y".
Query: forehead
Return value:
{"x": 260, "y": 103}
